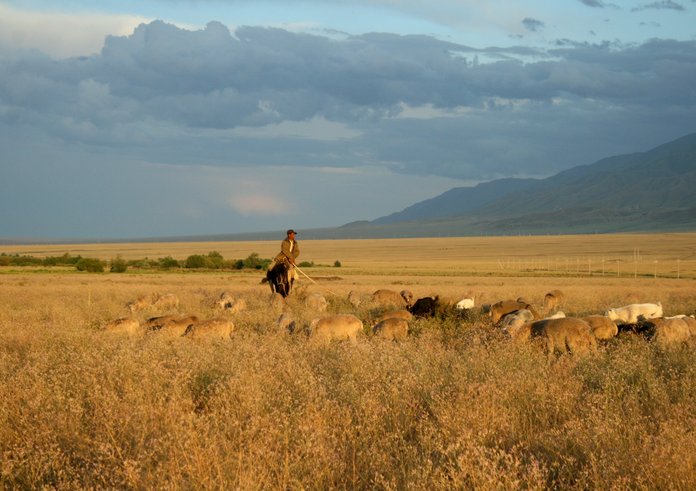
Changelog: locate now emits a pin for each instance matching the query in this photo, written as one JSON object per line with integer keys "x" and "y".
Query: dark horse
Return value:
{"x": 278, "y": 277}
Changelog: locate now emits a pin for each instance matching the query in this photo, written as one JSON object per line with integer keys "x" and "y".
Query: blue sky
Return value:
{"x": 155, "y": 118}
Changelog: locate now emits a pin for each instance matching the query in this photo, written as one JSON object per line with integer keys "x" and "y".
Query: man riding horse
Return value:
{"x": 281, "y": 273}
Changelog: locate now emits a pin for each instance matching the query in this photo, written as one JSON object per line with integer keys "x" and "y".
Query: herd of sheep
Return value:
{"x": 392, "y": 313}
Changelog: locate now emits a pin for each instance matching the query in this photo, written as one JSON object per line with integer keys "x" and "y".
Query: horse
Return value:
{"x": 280, "y": 279}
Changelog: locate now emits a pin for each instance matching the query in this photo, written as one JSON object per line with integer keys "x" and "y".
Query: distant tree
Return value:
{"x": 195, "y": 261}
{"x": 167, "y": 262}
{"x": 118, "y": 265}
{"x": 337, "y": 263}
{"x": 90, "y": 264}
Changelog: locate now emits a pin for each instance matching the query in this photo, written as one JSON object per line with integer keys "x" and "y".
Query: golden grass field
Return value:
{"x": 456, "y": 406}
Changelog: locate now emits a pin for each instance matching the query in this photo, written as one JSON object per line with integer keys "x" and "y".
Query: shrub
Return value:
{"x": 118, "y": 265}
{"x": 253, "y": 261}
{"x": 337, "y": 264}
{"x": 306, "y": 264}
{"x": 167, "y": 262}
{"x": 89, "y": 264}
{"x": 195, "y": 261}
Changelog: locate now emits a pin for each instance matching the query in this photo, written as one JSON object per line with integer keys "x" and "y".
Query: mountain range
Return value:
{"x": 649, "y": 191}
{"x": 652, "y": 191}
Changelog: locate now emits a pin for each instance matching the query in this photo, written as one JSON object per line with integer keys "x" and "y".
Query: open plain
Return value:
{"x": 457, "y": 405}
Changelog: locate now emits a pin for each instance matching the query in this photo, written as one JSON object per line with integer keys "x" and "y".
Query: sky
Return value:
{"x": 155, "y": 118}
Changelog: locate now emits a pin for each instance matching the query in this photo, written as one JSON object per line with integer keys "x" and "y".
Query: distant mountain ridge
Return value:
{"x": 647, "y": 191}
{"x": 653, "y": 191}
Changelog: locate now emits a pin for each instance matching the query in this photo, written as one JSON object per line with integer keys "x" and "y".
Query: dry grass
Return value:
{"x": 454, "y": 407}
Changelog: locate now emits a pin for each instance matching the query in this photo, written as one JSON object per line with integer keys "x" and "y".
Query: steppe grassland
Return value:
{"x": 456, "y": 406}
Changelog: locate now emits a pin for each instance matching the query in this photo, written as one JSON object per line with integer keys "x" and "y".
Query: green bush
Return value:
{"x": 91, "y": 265}
{"x": 168, "y": 262}
{"x": 337, "y": 264}
{"x": 306, "y": 264}
{"x": 195, "y": 261}
{"x": 118, "y": 265}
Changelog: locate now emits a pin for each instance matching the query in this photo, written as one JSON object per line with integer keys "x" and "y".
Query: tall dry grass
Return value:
{"x": 455, "y": 407}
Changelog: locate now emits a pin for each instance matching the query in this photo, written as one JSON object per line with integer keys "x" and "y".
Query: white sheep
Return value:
{"x": 630, "y": 314}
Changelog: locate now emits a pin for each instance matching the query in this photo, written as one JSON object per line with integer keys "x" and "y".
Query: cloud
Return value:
{"x": 60, "y": 35}
{"x": 533, "y": 25}
{"x": 236, "y": 116}
{"x": 661, "y": 5}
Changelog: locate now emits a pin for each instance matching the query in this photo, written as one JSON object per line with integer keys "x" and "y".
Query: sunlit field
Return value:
{"x": 457, "y": 405}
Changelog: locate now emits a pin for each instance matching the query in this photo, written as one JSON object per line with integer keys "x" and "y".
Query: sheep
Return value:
{"x": 558, "y": 315}
{"x": 287, "y": 322}
{"x": 230, "y": 303}
{"x": 316, "y": 302}
{"x": 514, "y": 321}
{"x": 355, "y": 298}
{"x": 166, "y": 302}
{"x": 425, "y": 307}
{"x": 669, "y": 333}
{"x": 465, "y": 304}
{"x": 390, "y": 298}
{"x": 123, "y": 325}
{"x": 170, "y": 324}
{"x": 603, "y": 327}
{"x": 504, "y": 307}
{"x": 630, "y": 314}
{"x": 395, "y": 314}
{"x": 553, "y": 300}
{"x": 566, "y": 334}
{"x": 335, "y": 327}
{"x": 154, "y": 301}
{"x": 392, "y": 328}
{"x": 215, "y": 328}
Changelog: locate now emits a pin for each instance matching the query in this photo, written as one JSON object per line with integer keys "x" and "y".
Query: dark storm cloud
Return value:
{"x": 533, "y": 25}
{"x": 171, "y": 95}
{"x": 662, "y": 5}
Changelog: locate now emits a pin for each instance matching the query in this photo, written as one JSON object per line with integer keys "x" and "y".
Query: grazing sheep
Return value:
{"x": 355, "y": 298}
{"x": 630, "y": 313}
{"x": 566, "y": 334}
{"x": 392, "y": 329}
{"x": 230, "y": 303}
{"x": 465, "y": 304}
{"x": 514, "y": 321}
{"x": 390, "y": 298}
{"x": 215, "y": 328}
{"x": 558, "y": 315}
{"x": 670, "y": 333}
{"x": 396, "y": 314}
{"x": 335, "y": 327}
{"x": 170, "y": 324}
{"x": 124, "y": 325}
{"x": 287, "y": 322}
{"x": 154, "y": 301}
{"x": 166, "y": 302}
{"x": 316, "y": 302}
{"x": 602, "y": 326}
{"x": 553, "y": 300}
{"x": 504, "y": 307}
{"x": 425, "y": 307}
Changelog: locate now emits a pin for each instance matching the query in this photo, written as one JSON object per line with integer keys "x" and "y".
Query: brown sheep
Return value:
{"x": 215, "y": 328}
{"x": 154, "y": 301}
{"x": 170, "y": 324}
{"x": 124, "y": 325}
{"x": 670, "y": 333}
{"x": 566, "y": 334}
{"x": 602, "y": 326}
{"x": 287, "y": 322}
{"x": 553, "y": 300}
{"x": 335, "y": 327}
{"x": 514, "y": 321}
{"x": 392, "y": 328}
{"x": 390, "y": 298}
{"x": 230, "y": 303}
{"x": 504, "y": 307}
{"x": 395, "y": 314}
{"x": 316, "y": 302}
